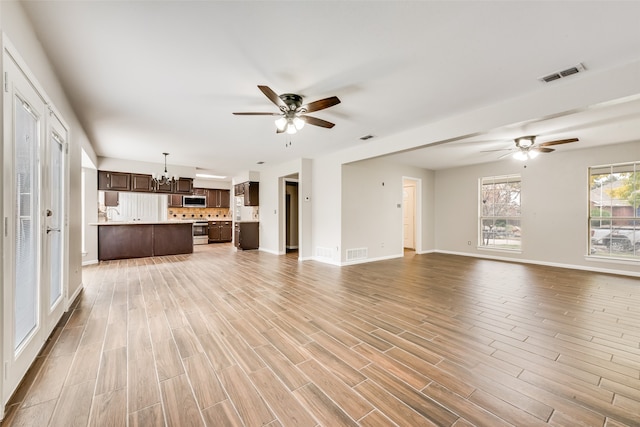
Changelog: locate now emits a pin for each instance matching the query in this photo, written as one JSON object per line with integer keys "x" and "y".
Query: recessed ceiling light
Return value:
{"x": 207, "y": 176}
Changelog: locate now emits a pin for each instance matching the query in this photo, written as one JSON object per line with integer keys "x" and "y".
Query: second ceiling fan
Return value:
{"x": 293, "y": 113}
{"x": 526, "y": 147}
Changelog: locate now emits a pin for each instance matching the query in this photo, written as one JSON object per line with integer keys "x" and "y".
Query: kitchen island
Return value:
{"x": 136, "y": 239}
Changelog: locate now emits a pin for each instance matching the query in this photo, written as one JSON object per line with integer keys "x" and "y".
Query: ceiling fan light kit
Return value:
{"x": 525, "y": 141}
{"x": 526, "y": 147}
{"x": 293, "y": 114}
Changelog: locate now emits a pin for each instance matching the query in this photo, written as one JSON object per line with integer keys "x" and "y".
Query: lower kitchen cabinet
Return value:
{"x": 126, "y": 240}
{"x": 220, "y": 231}
{"x": 247, "y": 235}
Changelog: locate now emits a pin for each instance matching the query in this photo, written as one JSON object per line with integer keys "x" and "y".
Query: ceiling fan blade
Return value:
{"x": 558, "y": 142}
{"x": 497, "y": 149}
{"x": 505, "y": 155}
{"x": 543, "y": 149}
{"x": 257, "y": 114}
{"x": 317, "y": 122}
{"x": 320, "y": 104}
{"x": 271, "y": 95}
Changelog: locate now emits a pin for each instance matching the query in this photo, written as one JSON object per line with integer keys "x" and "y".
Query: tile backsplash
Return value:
{"x": 199, "y": 213}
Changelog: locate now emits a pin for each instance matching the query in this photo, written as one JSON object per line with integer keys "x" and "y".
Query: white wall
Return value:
{"x": 326, "y": 208}
{"x": 272, "y": 210}
{"x": 372, "y": 207}
{"x": 555, "y": 192}
{"x": 91, "y": 217}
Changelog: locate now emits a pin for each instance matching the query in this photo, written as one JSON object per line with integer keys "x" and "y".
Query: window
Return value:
{"x": 614, "y": 211}
{"x": 499, "y": 224}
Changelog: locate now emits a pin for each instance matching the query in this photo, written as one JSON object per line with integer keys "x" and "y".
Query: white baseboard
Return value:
{"x": 548, "y": 264}
{"x": 73, "y": 297}
{"x": 362, "y": 261}
{"x": 269, "y": 251}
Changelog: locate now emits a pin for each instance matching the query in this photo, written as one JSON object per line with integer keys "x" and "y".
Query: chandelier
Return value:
{"x": 164, "y": 178}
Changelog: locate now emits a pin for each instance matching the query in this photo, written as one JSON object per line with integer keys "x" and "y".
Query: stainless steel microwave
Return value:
{"x": 194, "y": 201}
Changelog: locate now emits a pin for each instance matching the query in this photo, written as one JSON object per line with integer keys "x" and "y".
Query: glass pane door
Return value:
{"x": 26, "y": 220}
{"x": 55, "y": 216}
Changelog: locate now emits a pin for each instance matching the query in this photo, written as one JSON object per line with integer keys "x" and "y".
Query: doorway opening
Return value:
{"x": 291, "y": 216}
{"x": 410, "y": 217}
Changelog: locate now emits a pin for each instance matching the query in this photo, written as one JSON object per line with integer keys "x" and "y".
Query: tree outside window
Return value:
{"x": 614, "y": 211}
{"x": 500, "y": 212}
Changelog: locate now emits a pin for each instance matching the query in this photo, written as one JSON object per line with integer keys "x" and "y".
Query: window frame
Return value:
{"x": 513, "y": 218}
{"x": 620, "y": 240}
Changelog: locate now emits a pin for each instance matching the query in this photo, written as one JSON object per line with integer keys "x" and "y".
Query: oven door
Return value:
{"x": 200, "y": 233}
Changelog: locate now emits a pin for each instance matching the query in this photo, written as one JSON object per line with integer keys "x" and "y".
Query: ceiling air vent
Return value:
{"x": 564, "y": 73}
{"x": 364, "y": 138}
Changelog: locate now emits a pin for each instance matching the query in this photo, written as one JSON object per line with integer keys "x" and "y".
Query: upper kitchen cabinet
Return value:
{"x": 141, "y": 183}
{"x": 251, "y": 193}
{"x": 183, "y": 186}
{"x": 114, "y": 181}
{"x": 166, "y": 187}
{"x": 218, "y": 198}
{"x": 175, "y": 200}
{"x": 111, "y": 199}
{"x": 238, "y": 189}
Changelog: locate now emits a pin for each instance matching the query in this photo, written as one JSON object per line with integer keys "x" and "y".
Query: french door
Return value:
{"x": 34, "y": 223}
{"x": 55, "y": 219}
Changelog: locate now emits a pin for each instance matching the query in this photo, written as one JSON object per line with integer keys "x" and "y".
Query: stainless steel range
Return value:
{"x": 200, "y": 232}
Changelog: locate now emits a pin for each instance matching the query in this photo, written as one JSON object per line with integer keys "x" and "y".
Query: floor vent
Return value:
{"x": 357, "y": 253}
{"x": 564, "y": 73}
{"x": 324, "y": 252}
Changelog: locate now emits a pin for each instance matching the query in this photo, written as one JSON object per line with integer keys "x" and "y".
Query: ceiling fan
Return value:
{"x": 526, "y": 147}
{"x": 293, "y": 114}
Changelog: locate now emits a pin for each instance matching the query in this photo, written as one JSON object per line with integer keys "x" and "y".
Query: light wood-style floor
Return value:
{"x": 221, "y": 338}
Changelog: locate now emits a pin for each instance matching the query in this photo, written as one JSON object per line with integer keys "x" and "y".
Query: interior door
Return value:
{"x": 409, "y": 196}
{"x": 23, "y": 333}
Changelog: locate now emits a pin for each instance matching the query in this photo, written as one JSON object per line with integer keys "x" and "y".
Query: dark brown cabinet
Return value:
{"x": 141, "y": 183}
{"x": 111, "y": 198}
{"x": 144, "y": 240}
{"x": 200, "y": 192}
{"x": 114, "y": 181}
{"x": 250, "y": 190}
{"x": 220, "y": 231}
{"x": 175, "y": 201}
{"x": 226, "y": 231}
{"x": 167, "y": 187}
{"x": 183, "y": 186}
{"x": 218, "y": 198}
{"x": 247, "y": 235}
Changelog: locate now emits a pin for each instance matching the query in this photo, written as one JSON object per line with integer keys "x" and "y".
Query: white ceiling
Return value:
{"x": 148, "y": 77}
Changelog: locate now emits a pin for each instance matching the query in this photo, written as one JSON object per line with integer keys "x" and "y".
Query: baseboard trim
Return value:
{"x": 545, "y": 263}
